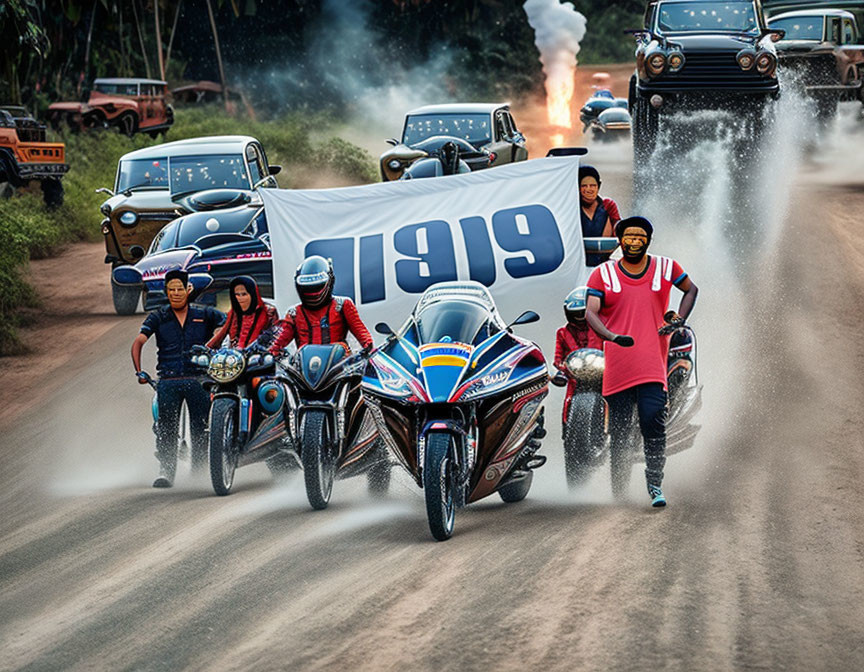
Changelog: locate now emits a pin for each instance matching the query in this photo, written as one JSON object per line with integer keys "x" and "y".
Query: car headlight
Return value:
{"x": 746, "y": 59}
{"x": 766, "y": 63}
{"x": 656, "y": 63}
{"x": 394, "y": 164}
{"x": 226, "y": 365}
{"x": 676, "y": 61}
{"x": 129, "y": 218}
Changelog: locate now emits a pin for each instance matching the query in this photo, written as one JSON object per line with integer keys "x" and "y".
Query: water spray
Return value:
{"x": 558, "y": 30}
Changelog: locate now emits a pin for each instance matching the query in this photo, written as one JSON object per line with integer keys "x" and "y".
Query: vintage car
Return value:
{"x": 153, "y": 186}
{"x": 26, "y": 155}
{"x": 129, "y": 105}
{"x": 606, "y": 116}
{"x": 219, "y": 245}
{"x": 822, "y": 47}
{"x": 485, "y": 132}
{"x": 701, "y": 54}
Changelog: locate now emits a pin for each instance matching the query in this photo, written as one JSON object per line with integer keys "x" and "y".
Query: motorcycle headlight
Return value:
{"x": 202, "y": 360}
{"x": 394, "y": 164}
{"x": 766, "y": 63}
{"x": 254, "y": 360}
{"x": 656, "y": 63}
{"x": 226, "y": 366}
{"x": 129, "y": 218}
{"x": 268, "y": 360}
{"x": 746, "y": 59}
{"x": 676, "y": 61}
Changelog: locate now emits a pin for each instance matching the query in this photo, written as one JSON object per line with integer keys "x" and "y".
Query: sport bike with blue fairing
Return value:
{"x": 331, "y": 432}
{"x": 457, "y": 397}
{"x": 246, "y": 420}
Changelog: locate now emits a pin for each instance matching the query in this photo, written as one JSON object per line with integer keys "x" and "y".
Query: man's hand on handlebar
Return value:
{"x": 559, "y": 379}
{"x": 144, "y": 378}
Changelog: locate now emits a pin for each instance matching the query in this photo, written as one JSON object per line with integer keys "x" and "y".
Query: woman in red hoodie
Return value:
{"x": 249, "y": 315}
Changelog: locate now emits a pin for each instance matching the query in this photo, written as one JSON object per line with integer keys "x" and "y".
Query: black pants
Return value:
{"x": 171, "y": 392}
{"x": 649, "y": 401}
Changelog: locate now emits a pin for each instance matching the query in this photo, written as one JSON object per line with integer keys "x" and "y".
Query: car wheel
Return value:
{"x": 127, "y": 124}
{"x": 125, "y": 298}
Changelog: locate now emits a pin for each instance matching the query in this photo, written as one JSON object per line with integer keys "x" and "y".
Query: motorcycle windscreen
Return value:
{"x": 317, "y": 360}
{"x": 443, "y": 365}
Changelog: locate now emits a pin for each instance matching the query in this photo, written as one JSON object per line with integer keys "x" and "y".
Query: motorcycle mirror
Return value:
{"x": 274, "y": 170}
{"x": 392, "y": 141}
{"x": 525, "y": 318}
{"x": 104, "y": 190}
{"x": 384, "y": 328}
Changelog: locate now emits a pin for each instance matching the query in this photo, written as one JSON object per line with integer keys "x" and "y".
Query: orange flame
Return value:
{"x": 560, "y": 82}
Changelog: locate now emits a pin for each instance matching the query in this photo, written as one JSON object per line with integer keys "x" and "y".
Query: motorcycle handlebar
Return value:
{"x": 143, "y": 375}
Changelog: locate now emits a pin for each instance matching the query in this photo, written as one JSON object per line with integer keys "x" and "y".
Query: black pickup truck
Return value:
{"x": 700, "y": 54}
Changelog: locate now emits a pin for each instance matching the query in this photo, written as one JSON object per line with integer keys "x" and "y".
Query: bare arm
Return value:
{"x": 689, "y": 299}
{"x": 608, "y": 230}
{"x": 137, "y": 344}
{"x": 594, "y": 321}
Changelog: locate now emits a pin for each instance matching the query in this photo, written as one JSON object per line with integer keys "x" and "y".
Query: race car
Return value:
{"x": 213, "y": 246}
{"x": 484, "y": 132}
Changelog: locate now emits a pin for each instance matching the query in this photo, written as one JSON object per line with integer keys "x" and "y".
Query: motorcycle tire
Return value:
{"x": 319, "y": 468}
{"x": 223, "y": 444}
{"x": 583, "y": 436}
{"x": 517, "y": 490}
{"x": 439, "y": 486}
{"x": 621, "y": 464}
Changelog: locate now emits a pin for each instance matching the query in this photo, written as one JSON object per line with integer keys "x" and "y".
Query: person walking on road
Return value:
{"x": 178, "y": 326}
{"x": 627, "y": 308}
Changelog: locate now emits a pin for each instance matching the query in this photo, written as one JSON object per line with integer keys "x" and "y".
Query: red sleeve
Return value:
{"x": 286, "y": 334}
{"x": 355, "y": 324}
{"x": 220, "y": 335}
{"x": 612, "y": 208}
{"x": 595, "y": 282}
{"x": 272, "y": 316}
{"x": 678, "y": 273}
{"x": 560, "y": 349}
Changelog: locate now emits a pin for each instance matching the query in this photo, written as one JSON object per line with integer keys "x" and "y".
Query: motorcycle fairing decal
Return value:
{"x": 271, "y": 428}
{"x": 394, "y": 377}
{"x": 490, "y": 377}
{"x": 239, "y": 258}
{"x": 158, "y": 272}
{"x": 443, "y": 365}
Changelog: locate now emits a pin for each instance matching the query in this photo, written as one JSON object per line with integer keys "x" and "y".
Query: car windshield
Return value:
{"x": 452, "y": 321}
{"x": 475, "y": 128}
{"x": 195, "y": 227}
{"x": 724, "y": 17}
{"x": 117, "y": 89}
{"x": 213, "y": 171}
{"x": 800, "y": 27}
{"x": 143, "y": 173}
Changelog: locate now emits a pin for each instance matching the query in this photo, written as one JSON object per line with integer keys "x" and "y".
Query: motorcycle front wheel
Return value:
{"x": 584, "y": 436}
{"x": 439, "y": 485}
{"x": 223, "y": 444}
{"x": 319, "y": 466}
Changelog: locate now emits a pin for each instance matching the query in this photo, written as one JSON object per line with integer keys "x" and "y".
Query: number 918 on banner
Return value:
{"x": 527, "y": 237}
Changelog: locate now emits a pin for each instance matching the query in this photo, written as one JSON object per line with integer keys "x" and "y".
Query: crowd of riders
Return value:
{"x": 622, "y": 311}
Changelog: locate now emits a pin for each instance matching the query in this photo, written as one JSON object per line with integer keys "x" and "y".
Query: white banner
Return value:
{"x": 514, "y": 228}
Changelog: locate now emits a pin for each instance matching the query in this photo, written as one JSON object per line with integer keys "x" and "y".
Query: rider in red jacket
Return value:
{"x": 573, "y": 336}
{"x": 320, "y": 317}
{"x": 249, "y": 315}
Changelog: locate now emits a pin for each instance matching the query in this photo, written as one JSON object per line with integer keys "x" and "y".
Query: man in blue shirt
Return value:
{"x": 178, "y": 326}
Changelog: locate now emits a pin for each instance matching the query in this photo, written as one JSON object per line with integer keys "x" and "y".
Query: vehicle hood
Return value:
{"x": 143, "y": 200}
{"x": 694, "y": 42}
{"x": 67, "y": 107}
{"x": 155, "y": 266}
{"x": 103, "y": 99}
{"x": 800, "y": 47}
{"x": 216, "y": 199}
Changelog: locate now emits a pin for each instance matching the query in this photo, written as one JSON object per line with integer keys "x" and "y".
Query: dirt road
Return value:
{"x": 758, "y": 562}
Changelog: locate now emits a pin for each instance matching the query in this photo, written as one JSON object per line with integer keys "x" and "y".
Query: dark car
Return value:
{"x": 701, "y": 54}
{"x": 221, "y": 244}
{"x": 485, "y": 132}
{"x": 822, "y": 47}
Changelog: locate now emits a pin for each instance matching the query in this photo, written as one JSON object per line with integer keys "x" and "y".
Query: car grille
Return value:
{"x": 713, "y": 69}
{"x": 157, "y": 216}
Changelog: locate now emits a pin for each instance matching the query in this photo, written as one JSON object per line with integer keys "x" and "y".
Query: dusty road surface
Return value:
{"x": 758, "y": 562}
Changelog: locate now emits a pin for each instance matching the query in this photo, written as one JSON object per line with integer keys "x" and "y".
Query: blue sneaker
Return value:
{"x": 656, "y": 494}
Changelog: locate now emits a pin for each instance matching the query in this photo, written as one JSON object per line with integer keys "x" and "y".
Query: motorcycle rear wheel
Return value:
{"x": 223, "y": 445}
{"x": 583, "y": 436}
{"x": 439, "y": 485}
{"x": 319, "y": 468}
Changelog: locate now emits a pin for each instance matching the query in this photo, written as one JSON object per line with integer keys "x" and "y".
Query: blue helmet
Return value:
{"x": 575, "y": 304}
{"x": 314, "y": 281}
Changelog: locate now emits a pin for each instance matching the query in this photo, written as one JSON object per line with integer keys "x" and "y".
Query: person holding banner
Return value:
{"x": 320, "y": 317}
{"x": 598, "y": 215}
{"x": 627, "y": 307}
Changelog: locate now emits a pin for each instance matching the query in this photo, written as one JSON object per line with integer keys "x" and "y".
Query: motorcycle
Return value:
{"x": 611, "y": 124}
{"x": 246, "y": 421}
{"x": 327, "y": 421}
{"x": 457, "y": 399}
{"x": 586, "y": 428}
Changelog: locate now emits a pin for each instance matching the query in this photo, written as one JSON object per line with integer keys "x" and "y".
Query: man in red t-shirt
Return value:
{"x": 320, "y": 317}
{"x": 627, "y": 307}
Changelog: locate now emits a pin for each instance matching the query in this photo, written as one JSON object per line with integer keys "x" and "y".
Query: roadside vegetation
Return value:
{"x": 28, "y": 230}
